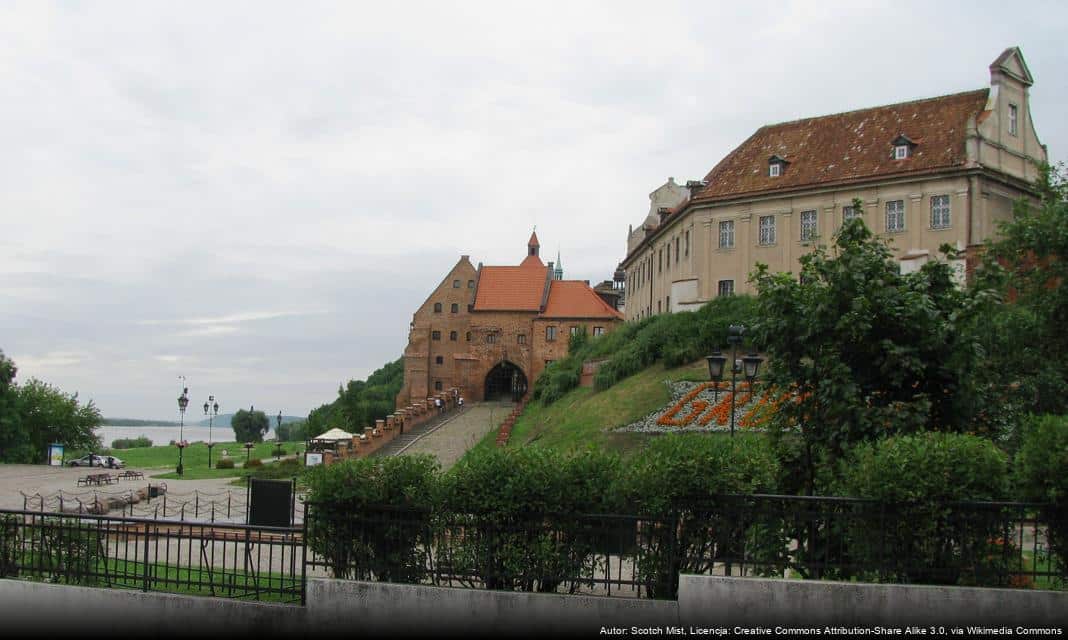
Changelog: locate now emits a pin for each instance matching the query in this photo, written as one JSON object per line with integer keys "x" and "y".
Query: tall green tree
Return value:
{"x": 869, "y": 352}
{"x": 250, "y": 426}
{"x": 12, "y": 438}
{"x": 46, "y": 415}
{"x": 1026, "y": 339}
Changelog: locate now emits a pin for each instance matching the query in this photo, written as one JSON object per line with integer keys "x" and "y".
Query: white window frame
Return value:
{"x": 727, "y": 290}
{"x": 1014, "y": 117}
{"x": 767, "y": 230}
{"x": 774, "y": 170}
{"x": 598, "y": 331}
{"x": 726, "y": 234}
{"x": 901, "y": 152}
{"x": 550, "y": 333}
{"x": 895, "y": 216}
{"x": 941, "y": 211}
{"x": 809, "y": 227}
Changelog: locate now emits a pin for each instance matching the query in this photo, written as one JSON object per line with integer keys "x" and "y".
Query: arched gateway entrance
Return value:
{"x": 505, "y": 382}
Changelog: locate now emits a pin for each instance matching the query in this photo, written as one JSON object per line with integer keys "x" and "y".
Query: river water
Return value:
{"x": 163, "y": 435}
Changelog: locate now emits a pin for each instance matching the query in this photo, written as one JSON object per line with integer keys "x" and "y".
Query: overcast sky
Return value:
{"x": 258, "y": 195}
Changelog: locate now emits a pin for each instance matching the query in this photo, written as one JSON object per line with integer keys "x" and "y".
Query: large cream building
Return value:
{"x": 928, "y": 172}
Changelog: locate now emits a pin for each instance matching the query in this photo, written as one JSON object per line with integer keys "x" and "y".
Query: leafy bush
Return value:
{"x": 253, "y": 463}
{"x": 1040, "y": 476}
{"x": 282, "y": 469}
{"x": 371, "y": 516}
{"x": 131, "y": 443}
{"x": 225, "y": 463}
{"x": 921, "y": 536}
{"x": 499, "y": 499}
{"x": 680, "y": 481}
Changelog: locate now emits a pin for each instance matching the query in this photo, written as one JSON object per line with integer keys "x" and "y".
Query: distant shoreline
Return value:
{"x": 124, "y": 422}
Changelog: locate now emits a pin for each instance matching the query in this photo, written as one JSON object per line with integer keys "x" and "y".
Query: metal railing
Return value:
{"x": 215, "y": 559}
{"x": 966, "y": 543}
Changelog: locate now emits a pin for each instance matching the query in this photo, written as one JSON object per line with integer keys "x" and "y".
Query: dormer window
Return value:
{"x": 902, "y": 147}
{"x": 776, "y": 166}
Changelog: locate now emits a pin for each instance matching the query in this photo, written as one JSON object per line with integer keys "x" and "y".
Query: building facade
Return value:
{"x": 928, "y": 172}
{"x": 490, "y": 331}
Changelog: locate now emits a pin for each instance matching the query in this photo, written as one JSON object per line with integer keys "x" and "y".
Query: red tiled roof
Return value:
{"x": 532, "y": 261}
{"x": 848, "y": 147}
{"x": 511, "y": 288}
{"x": 575, "y": 299}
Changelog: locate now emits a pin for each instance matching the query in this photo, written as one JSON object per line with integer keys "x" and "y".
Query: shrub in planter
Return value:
{"x": 371, "y": 517}
{"x": 1041, "y": 465}
{"x": 225, "y": 463}
{"x": 680, "y": 485}
{"x": 914, "y": 532}
{"x": 253, "y": 463}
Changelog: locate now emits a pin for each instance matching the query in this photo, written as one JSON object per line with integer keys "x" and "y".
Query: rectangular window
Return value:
{"x": 658, "y": 309}
{"x": 808, "y": 225}
{"x": 1013, "y": 117}
{"x": 669, "y": 255}
{"x": 469, "y": 336}
{"x": 939, "y": 212}
{"x": 726, "y": 287}
{"x": 575, "y": 331}
{"x": 521, "y": 338}
{"x": 435, "y": 335}
{"x": 774, "y": 169}
{"x": 687, "y": 244}
{"x": 455, "y": 308}
{"x": 455, "y": 284}
{"x": 491, "y": 338}
{"x": 667, "y": 304}
{"x": 453, "y": 336}
{"x": 470, "y": 284}
{"x": 437, "y": 385}
{"x": 550, "y": 334}
{"x": 677, "y": 254}
{"x": 895, "y": 215}
{"x": 849, "y": 212}
{"x": 660, "y": 262}
{"x": 901, "y": 152}
{"x": 437, "y": 307}
{"x": 598, "y": 331}
{"x": 726, "y": 234}
{"x": 439, "y": 360}
{"x": 767, "y": 230}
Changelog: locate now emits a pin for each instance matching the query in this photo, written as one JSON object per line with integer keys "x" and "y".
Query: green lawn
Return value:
{"x": 195, "y": 458}
{"x": 583, "y": 417}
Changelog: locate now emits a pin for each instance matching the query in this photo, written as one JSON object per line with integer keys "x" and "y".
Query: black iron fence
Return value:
{"x": 978, "y": 544}
{"x": 215, "y": 559}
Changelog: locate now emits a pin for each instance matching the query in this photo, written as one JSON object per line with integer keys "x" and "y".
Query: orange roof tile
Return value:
{"x": 511, "y": 288}
{"x": 575, "y": 299}
{"x": 532, "y": 261}
{"x": 848, "y": 147}
{"x": 533, "y": 242}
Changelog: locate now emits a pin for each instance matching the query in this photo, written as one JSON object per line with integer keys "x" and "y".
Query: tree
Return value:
{"x": 12, "y": 438}
{"x": 45, "y": 415}
{"x": 250, "y": 426}
{"x": 1029, "y": 264}
{"x": 869, "y": 352}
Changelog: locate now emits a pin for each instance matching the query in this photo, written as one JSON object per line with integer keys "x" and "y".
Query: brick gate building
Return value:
{"x": 490, "y": 331}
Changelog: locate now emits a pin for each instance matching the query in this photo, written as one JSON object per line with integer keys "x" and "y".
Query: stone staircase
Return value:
{"x": 409, "y": 436}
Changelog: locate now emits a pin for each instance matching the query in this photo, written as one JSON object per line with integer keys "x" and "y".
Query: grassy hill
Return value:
{"x": 584, "y": 417}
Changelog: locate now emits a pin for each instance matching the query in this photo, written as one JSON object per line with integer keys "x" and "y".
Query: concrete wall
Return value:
{"x": 35, "y": 607}
{"x": 406, "y": 609}
{"x": 711, "y": 601}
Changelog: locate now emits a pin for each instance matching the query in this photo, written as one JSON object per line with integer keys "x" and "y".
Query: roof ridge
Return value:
{"x": 881, "y": 106}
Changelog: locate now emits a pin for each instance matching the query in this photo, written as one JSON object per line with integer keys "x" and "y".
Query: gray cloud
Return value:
{"x": 258, "y": 197}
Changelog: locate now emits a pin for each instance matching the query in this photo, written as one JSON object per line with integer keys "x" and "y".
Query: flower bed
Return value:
{"x": 706, "y": 406}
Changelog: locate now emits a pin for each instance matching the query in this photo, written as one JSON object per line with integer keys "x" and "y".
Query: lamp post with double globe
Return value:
{"x": 211, "y": 409}
{"x": 749, "y": 365}
{"x": 183, "y": 402}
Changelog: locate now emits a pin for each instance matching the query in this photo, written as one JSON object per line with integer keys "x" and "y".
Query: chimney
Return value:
{"x": 694, "y": 186}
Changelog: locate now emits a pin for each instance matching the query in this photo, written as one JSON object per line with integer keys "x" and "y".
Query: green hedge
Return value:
{"x": 1041, "y": 474}
{"x": 918, "y": 477}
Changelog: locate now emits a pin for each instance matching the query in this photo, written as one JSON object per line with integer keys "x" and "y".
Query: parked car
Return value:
{"x": 93, "y": 460}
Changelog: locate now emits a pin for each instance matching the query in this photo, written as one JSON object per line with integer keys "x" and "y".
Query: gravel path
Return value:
{"x": 451, "y": 441}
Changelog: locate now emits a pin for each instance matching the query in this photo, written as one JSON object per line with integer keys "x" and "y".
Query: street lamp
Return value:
{"x": 211, "y": 409}
{"x": 248, "y": 450}
{"x": 183, "y": 402}
{"x": 748, "y": 366}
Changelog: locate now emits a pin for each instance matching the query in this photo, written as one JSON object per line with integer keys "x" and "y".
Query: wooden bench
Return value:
{"x": 130, "y": 475}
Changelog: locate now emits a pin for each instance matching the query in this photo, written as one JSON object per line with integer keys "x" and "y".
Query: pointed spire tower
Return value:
{"x": 533, "y": 249}
{"x": 559, "y": 271}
